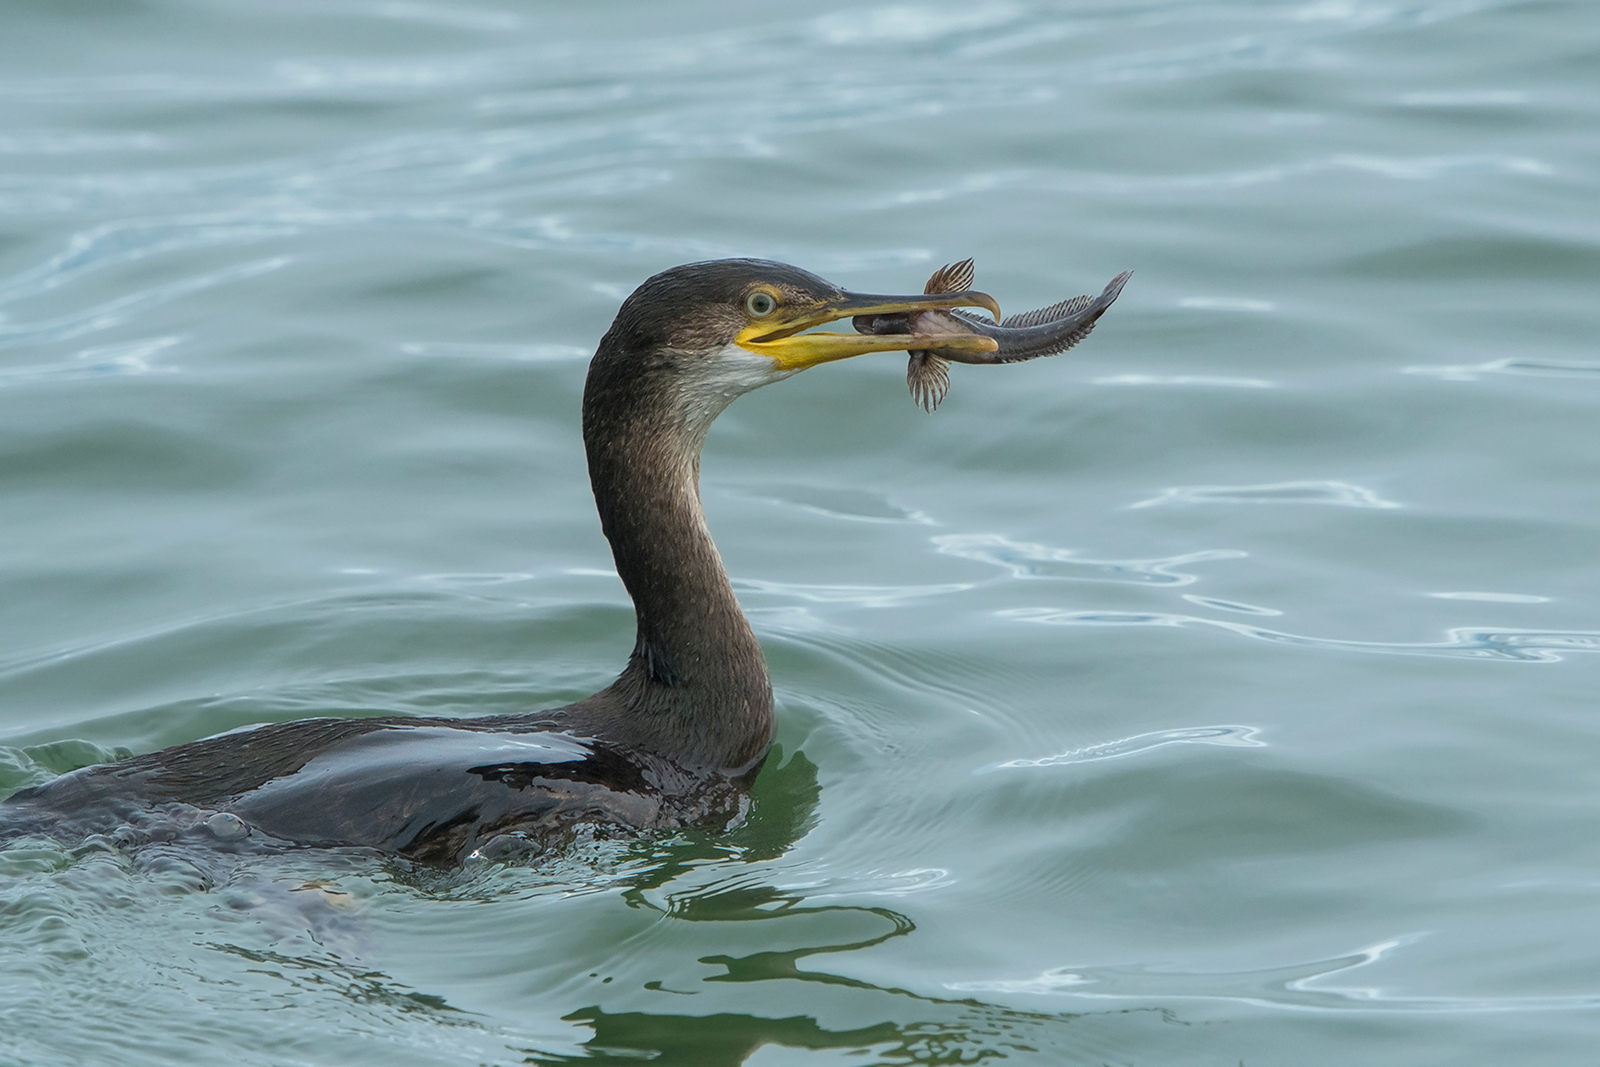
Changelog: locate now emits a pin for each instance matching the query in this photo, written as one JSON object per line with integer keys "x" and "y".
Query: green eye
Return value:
{"x": 760, "y": 305}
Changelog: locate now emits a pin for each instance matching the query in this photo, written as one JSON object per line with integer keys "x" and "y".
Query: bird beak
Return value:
{"x": 779, "y": 335}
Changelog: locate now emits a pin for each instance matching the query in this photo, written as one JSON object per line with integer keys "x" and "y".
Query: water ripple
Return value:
{"x": 1024, "y": 560}
{"x": 1185, "y": 379}
{"x": 1233, "y": 736}
{"x": 521, "y": 353}
{"x": 1229, "y": 605}
{"x": 114, "y": 312}
{"x": 866, "y": 596}
{"x": 1142, "y": 186}
{"x": 1341, "y": 494}
{"x": 127, "y": 242}
{"x": 1493, "y": 598}
{"x": 1400, "y": 168}
{"x": 1199, "y": 58}
{"x": 455, "y": 17}
{"x": 1225, "y": 303}
{"x": 1466, "y": 642}
{"x": 1365, "y": 14}
{"x": 1297, "y": 987}
{"x": 872, "y": 882}
{"x": 55, "y": 143}
{"x": 857, "y": 505}
{"x": 1466, "y": 98}
{"x": 1533, "y": 368}
{"x": 104, "y": 361}
{"x": 905, "y": 22}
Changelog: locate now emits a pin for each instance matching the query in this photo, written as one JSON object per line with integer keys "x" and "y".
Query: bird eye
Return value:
{"x": 760, "y": 305}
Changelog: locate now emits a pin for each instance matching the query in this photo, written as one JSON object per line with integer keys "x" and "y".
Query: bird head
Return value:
{"x": 747, "y": 322}
{"x": 693, "y": 338}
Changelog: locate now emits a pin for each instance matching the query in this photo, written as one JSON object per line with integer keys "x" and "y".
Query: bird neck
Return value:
{"x": 695, "y": 689}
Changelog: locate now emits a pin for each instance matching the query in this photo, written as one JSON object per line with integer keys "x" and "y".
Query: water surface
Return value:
{"x": 1220, "y": 692}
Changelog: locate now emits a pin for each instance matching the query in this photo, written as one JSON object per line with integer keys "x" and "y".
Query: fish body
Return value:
{"x": 1030, "y": 335}
{"x": 927, "y": 372}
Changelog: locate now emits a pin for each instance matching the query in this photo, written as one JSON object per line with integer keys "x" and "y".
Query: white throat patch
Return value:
{"x": 707, "y": 385}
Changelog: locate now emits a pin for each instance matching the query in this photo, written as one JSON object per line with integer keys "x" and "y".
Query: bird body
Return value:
{"x": 433, "y": 790}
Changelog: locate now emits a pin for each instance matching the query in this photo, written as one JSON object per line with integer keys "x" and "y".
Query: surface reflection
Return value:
{"x": 911, "y": 1027}
{"x": 727, "y": 1040}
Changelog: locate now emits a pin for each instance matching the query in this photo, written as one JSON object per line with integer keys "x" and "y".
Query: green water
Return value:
{"x": 1221, "y": 692}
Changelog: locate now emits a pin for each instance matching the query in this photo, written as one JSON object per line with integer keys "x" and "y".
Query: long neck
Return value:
{"x": 695, "y": 688}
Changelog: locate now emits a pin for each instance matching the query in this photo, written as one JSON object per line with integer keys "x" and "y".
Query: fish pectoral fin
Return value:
{"x": 928, "y": 377}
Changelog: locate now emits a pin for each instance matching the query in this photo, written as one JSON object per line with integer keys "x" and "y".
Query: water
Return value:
{"x": 1220, "y": 692}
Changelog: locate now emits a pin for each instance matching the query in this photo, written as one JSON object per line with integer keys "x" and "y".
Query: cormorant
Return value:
{"x": 674, "y": 741}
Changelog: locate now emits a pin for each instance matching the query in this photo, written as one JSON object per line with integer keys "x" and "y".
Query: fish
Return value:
{"x": 1029, "y": 335}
